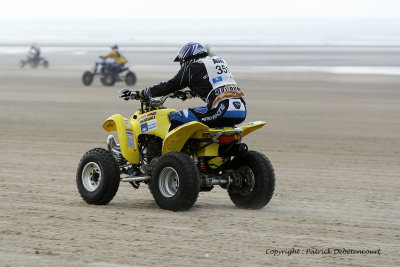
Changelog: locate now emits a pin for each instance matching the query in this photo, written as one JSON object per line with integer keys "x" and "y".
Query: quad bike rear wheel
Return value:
{"x": 45, "y": 63}
{"x": 130, "y": 78}
{"x": 98, "y": 177}
{"x": 258, "y": 181}
{"x": 87, "y": 78}
{"x": 108, "y": 79}
{"x": 175, "y": 182}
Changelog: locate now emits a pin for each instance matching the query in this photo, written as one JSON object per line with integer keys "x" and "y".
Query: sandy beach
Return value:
{"x": 333, "y": 139}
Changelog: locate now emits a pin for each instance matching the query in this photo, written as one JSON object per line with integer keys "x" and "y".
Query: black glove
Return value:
{"x": 136, "y": 95}
{"x": 190, "y": 94}
{"x": 184, "y": 94}
{"x": 127, "y": 94}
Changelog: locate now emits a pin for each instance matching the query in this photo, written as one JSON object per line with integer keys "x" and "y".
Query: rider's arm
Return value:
{"x": 180, "y": 81}
{"x": 112, "y": 54}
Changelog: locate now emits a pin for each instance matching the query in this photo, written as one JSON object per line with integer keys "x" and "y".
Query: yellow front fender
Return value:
{"x": 127, "y": 138}
{"x": 176, "y": 139}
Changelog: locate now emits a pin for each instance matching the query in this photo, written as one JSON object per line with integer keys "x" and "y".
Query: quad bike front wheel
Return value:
{"x": 87, "y": 78}
{"x": 130, "y": 78}
{"x": 175, "y": 182}
{"x": 98, "y": 177}
{"x": 108, "y": 79}
{"x": 258, "y": 181}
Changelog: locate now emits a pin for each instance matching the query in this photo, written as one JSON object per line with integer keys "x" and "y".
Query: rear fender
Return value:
{"x": 177, "y": 138}
{"x": 251, "y": 127}
{"x": 127, "y": 138}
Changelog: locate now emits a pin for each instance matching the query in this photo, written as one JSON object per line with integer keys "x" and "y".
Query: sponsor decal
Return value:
{"x": 110, "y": 124}
{"x": 147, "y": 119}
{"x": 130, "y": 139}
{"x": 151, "y": 114}
{"x": 216, "y": 115}
{"x": 217, "y": 60}
{"x": 148, "y": 126}
{"x": 226, "y": 88}
{"x": 237, "y": 104}
{"x": 217, "y": 79}
{"x": 144, "y": 128}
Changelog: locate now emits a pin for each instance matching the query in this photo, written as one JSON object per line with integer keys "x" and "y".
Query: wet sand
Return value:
{"x": 333, "y": 139}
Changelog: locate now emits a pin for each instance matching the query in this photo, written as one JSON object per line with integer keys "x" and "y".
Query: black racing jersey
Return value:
{"x": 209, "y": 78}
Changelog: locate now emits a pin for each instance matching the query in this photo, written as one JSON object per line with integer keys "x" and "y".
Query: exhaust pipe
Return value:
{"x": 115, "y": 149}
{"x": 112, "y": 144}
{"x": 136, "y": 179}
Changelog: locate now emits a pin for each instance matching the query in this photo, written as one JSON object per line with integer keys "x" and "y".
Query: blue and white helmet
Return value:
{"x": 191, "y": 51}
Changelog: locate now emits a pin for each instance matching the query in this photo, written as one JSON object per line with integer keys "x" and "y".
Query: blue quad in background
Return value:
{"x": 33, "y": 62}
{"x": 109, "y": 74}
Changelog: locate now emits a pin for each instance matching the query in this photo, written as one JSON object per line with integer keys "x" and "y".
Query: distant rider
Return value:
{"x": 207, "y": 77}
{"x": 119, "y": 60}
{"x": 34, "y": 51}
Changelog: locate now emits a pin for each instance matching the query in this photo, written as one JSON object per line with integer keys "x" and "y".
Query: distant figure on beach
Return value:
{"x": 207, "y": 77}
{"x": 119, "y": 60}
{"x": 34, "y": 58}
{"x": 34, "y": 52}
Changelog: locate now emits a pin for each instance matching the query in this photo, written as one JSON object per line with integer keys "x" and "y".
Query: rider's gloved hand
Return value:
{"x": 184, "y": 94}
{"x": 190, "y": 94}
{"x": 137, "y": 94}
{"x": 125, "y": 94}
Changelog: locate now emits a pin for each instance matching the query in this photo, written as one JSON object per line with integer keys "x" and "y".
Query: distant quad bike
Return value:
{"x": 108, "y": 77}
{"x": 29, "y": 60}
{"x": 178, "y": 164}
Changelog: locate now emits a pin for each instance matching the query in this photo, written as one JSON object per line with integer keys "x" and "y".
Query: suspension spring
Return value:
{"x": 202, "y": 164}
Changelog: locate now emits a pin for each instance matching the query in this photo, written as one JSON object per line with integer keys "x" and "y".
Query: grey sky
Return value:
{"x": 198, "y": 9}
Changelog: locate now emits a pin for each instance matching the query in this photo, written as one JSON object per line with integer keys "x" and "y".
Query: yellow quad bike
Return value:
{"x": 176, "y": 165}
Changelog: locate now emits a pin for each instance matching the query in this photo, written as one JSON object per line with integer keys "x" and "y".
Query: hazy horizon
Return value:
{"x": 256, "y": 31}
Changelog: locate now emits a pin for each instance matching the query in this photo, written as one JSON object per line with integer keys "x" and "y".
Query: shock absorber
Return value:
{"x": 202, "y": 164}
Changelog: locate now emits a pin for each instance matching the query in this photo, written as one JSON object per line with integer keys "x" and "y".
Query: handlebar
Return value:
{"x": 152, "y": 103}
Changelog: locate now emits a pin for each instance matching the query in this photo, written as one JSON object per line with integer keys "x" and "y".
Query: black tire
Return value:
{"x": 103, "y": 183}
{"x": 22, "y": 63}
{"x": 258, "y": 190}
{"x": 130, "y": 78}
{"x": 188, "y": 187}
{"x": 108, "y": 79}
{"x": 87, "y": 78}
{"x": 45, "y": 63}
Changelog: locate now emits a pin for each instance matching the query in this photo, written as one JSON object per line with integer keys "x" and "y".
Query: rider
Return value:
{"x": 207, "y": 77}
{"x": 119, "y": 60}
{"x": 34, "y": 51}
